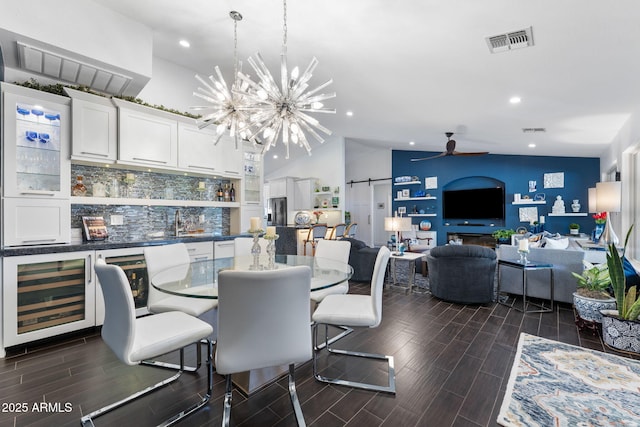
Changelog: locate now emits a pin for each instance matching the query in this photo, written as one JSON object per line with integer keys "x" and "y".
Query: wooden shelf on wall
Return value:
{"x": 569, "y": 214}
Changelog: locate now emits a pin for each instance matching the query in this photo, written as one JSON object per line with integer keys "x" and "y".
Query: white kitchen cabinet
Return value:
{"x": 35, "y": 141}
{"x": 196, "y": 150}
{"x": 253, "y": 173}
{"x": 47, "y": 295}
{"x": 94, "y": 127}
{"x": 223, "y": 249}
{"x": 200, "y": 251}
{"x": 281, "y": 187}
{"x": 36, "y": 221}
{"x": 146, "y": 136}
{"x": 304, "y": 190}
{"x": 232, "y": 159}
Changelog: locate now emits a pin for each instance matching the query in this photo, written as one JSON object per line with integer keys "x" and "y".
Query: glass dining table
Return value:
{"x": 199, "y": 279}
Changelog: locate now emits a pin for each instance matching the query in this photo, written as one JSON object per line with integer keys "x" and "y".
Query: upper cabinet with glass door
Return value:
{"x": 36, "y": 143}
{"x": 252, "y": 194}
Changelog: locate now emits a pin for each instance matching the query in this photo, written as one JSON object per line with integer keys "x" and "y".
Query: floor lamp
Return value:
{"x": 397, "y": 224}
{"x": 608, "y": 199}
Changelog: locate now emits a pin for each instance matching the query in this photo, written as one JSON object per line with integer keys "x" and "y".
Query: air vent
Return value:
{"x": 533, "y": 130}
{"x": 59, "y": 67}
{"x": 512, "y": 40}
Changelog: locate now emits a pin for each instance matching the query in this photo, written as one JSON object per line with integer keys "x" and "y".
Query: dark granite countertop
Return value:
{"x": 110, "y": 244}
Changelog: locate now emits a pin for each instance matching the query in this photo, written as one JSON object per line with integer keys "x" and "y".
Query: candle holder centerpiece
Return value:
{"x": 255, "y": 249}
{"x": 523, "y": 250}
{"x": 271, "y": 249}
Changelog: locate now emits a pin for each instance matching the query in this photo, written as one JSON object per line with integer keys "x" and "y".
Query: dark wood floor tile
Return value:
{"x": 264, "y": 417}
{"x": 508, "y": 335}
{"x": 328, "y": 419}
{"x": 463, "y": 376}
{"x": 481, "y": 345}
{"x": 364, "y": 418}
{"x": 443, "y": 410}
{"x": 481, "y": 398}
{"x": 482, "y": 314}
{"x": 448, "y": 333}
{"x": 465, "y": 315}
{"x": 401, "y": 417}
{"x": 465, "y": 422}
{"x": 449, "y": 358}
{"x": 417, "y": 391}
{"x": 468, "y": 332}
{"x": 499, "y": 360}
{"x": 431, "y": 352}
{"x": 492, "y": 325}
{"x": 321, "y": 402}
{"x": 351, "y": 403}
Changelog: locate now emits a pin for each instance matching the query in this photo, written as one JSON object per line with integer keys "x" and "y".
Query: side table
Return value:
{"x": 411, "y": 258}
{"x": 526, "y": 267}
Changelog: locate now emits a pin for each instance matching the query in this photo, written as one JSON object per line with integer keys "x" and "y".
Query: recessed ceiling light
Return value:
{"x": 532, "y": 145}
{"x": 275, "y": 156}
{"x": 515, "y": 100}
{"x": 349, "y": 113}
{"x": 412, "y": 143}
{"x": 184, "y": 43}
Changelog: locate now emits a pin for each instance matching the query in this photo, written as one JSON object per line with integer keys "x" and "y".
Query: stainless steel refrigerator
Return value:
{"x": 278, "y": 211}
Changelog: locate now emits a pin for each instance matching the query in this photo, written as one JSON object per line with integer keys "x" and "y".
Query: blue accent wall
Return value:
{"x": 515, "y": 171}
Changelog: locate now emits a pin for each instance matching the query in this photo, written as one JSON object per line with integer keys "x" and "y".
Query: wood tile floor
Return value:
{"x": 452, "y": 365}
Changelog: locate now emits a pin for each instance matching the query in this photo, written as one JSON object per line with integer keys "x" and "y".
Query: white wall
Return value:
{"x": 172, "y": 86}
{"x": 364, "y": 162}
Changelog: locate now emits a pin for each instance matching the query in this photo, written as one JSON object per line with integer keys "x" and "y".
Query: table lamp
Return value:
{"x": 608, "y": 199}
{"x": 397, "y": 224}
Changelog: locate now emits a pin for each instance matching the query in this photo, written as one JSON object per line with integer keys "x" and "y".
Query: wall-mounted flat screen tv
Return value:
{"x": 473, "y": 204}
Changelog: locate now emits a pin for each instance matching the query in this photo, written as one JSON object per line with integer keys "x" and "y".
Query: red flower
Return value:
{"x": 600, "y": 217}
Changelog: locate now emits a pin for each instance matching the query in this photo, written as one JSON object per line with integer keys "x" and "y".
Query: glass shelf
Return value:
{"x": 407, "y": 183}
{"x": 414, "y": 198}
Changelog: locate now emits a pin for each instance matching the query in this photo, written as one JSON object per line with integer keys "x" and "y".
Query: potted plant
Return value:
{"x": 503, "y": 235}
{"x": 620, "y": 327}
{"x": 591, "y": 295}
{"x": 574, "y": 228}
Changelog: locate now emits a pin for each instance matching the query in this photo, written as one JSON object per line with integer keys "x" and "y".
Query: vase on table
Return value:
{"x": 597, "y": 232}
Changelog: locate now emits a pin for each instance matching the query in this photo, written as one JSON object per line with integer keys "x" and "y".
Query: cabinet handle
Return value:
{"x": 201, "y": 167}
{"x": 94, "y": 154}
{"x": 38, "y": 240}
{"x": 38, "y": 193}
{"x": 163, "y": 162}
{"x": 88, "y": 269}
{"x": 201, "y": 258}
{"x": 233, "y": 172}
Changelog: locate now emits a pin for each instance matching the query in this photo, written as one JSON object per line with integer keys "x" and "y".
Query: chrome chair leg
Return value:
{"x": 175, "y": 366}
{"x": 228, "y": 396}
{"x": 345, "y": 331}
{"x": 87, "y": 420}
{"x": 390, "y": 388}
{"x": 294, "y": 397}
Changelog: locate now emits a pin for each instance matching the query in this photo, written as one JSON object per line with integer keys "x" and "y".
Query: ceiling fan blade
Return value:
{"x": 478, "y": 153}
{"x": 432, "y": 157}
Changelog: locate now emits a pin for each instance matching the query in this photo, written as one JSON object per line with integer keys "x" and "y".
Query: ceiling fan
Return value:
{"x": 451, "y": 150}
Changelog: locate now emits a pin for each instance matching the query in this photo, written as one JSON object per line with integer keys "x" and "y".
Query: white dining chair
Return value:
{"x": 337, "y": 250}
{"x": 133, "y": 339}
{"x": 263, "y": 321}
{"x": 163, "y": 257}
{"x": 354, "y": 311}
{"x": 242, "y": 246}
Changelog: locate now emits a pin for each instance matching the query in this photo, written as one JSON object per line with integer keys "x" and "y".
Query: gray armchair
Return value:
{"x": 462, "y": 273}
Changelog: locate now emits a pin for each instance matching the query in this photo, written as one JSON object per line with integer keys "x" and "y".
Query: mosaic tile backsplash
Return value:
{"x": 139, "y": 221}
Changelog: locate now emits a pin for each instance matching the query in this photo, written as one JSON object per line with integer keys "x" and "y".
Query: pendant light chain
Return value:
{"x": 284, "y": 27}
{"x": 235, "y": 52}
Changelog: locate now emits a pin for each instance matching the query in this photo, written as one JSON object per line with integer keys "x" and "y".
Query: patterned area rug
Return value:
{"x": 556, "y": 384}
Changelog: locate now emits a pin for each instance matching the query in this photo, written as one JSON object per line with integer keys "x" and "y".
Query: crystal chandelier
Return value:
{"x": 282, "y": 110}
{"x": 230, "y": 109}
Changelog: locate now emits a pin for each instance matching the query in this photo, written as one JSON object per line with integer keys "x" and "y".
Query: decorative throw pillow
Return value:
{"x": 556, "y": 243}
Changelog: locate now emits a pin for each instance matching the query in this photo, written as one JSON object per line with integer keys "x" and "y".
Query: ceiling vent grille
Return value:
{"x": 533, "y": 130}
{"x": 509, "y": 41}
{"x": 59, "y": 67}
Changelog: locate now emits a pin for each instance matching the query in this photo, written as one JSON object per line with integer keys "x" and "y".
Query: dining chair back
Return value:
{"x": 134, "y": 340}
{"x": 337, "y": 250}
{"x": 176, "y": 257}
{"x": 263, "y": 321}
{"x": 316, "y": 232}
{"x": 338, "y": 231}
{"x": 242, "y": 245}
{"x": 351, "y": 230}
{"x": 163, "y": 257}
{"x": 355, "y": 311}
